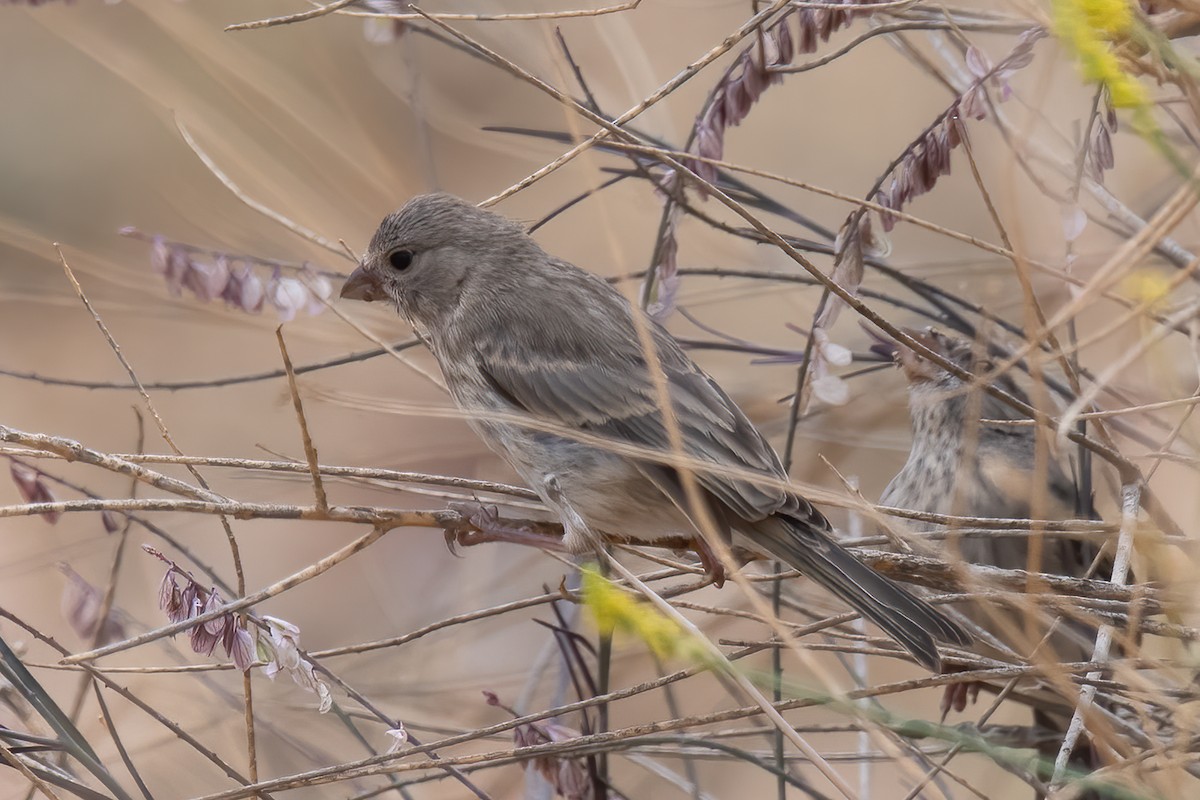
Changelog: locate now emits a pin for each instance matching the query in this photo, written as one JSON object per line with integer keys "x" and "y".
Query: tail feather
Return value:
{"x": 912, "y": 622}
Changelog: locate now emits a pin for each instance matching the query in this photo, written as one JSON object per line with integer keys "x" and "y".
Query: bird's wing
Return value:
{"x": 602, "y": 385}
{"x": 1005, "y": 462}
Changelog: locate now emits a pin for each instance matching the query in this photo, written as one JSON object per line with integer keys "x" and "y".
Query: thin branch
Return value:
{"x": 339, "y": 4}
{"x": 213, "y": 383}
{"x": 319, "y": 11}
{"x": 267, "y": 212}
{"x": 1130, "y": 502}
{"x": 310, "y": 451}
{"x": 742, "y": 31}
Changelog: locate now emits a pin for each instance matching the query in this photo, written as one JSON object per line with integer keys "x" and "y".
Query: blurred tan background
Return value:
{"x": 334, "y": 131}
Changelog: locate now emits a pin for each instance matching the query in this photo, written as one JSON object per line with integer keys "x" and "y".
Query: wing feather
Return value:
{"x": 608, "y": 390}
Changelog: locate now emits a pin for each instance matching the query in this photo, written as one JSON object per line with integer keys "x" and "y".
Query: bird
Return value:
{"x": 967, "y": 459}
{"x": 992, "y": 479}
{"x": 548, "y": 364}
{"x": 964, "y": 459}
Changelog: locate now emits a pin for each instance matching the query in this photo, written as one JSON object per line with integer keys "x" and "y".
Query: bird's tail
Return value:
{"x": 912, "y": 622}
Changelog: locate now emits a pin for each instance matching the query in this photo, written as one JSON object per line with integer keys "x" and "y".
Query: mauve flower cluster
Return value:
{"x": 81, "y": 605}
{"x": 816, "y": 25}
{"x": 278, "y": 651}
{"x": 567, "y": 776}
{"x": 928, "y": 159}
{"x": 753, "y": 71}
{"x": 738, "y": 90}
{"x": 922, "y": 165}
{"x": 193, "y": 600}
{"x": 856, "y": 239}
{"x": 1098, "y": 159}
{"x": 210, "y": 275}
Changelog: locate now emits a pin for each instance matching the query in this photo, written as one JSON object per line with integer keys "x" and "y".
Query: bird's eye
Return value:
{"x": 400, "y": 259}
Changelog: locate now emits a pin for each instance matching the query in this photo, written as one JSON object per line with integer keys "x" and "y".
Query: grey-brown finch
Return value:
{"x": 961, "y": 462}
{"x": 520, "y": 332}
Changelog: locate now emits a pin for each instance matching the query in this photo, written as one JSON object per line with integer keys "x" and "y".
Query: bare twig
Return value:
{"x": 310, "y": 451}
{"x": 269, "y": 213}
{"x": 1130, "y": 502}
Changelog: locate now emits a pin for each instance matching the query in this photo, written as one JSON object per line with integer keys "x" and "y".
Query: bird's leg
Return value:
{"x": 482, "y": 523}
{"x": 713, "y": 567}
{"x": 578, "y": 537}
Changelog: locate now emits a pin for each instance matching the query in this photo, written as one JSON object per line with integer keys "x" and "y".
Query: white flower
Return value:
{"x": 288, "y": 295}
{"x": 833, "y": 353}
{"x": 1074, "y": 220}
{"x": 320, "y": 289}
{"x": 831, "y": 389}
{"x": 282, "y": 654}
{"x": 399, "y": 736}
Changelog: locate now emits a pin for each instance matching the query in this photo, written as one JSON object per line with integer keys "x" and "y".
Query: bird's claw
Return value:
{"x": 479, "y": 523}
{"x": 958, "y": 696}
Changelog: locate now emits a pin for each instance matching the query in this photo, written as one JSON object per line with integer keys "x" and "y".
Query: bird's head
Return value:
{"x": 424, "y": 257}
{"x": 923, "y": 373}
{"x": 931, "y": 386}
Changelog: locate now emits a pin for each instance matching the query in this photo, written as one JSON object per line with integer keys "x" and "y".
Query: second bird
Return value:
{"x": 967, "y": 459}
{"x": 548, "y": 363}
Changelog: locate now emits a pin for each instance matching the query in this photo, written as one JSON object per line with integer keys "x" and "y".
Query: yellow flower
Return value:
{"x": 1146, "y": 285}
{"x": 1110, "y": 16}
{"x": 616, "y": 609}
{"x": 1088, "y": 27}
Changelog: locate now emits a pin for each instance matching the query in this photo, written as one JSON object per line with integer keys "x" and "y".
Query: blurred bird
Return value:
{"x": 964, "y": 461}
{"x": 520, "y": 333}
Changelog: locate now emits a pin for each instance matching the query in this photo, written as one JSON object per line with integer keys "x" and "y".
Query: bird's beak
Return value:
{"x": 363, "y": 285}
{"x": 915, "y": 367}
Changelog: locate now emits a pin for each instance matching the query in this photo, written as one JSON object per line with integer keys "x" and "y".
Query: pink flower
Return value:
{"x": 169, "y": 596}
{"x": 33, "y": 488}
{"x": 81, "y": 605}
{"x": 216, "y": 625}
{"x": 207, "y": 281}
{"x": 240, "y": 646}
{"x": 244, "y": 290}
{"x": 320, "y": 289}
{"x": 202, "y": 641}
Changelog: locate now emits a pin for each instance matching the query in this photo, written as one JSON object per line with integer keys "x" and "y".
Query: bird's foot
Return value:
{"x": 479, "y": 523}
{"x": 958, "y": 695}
